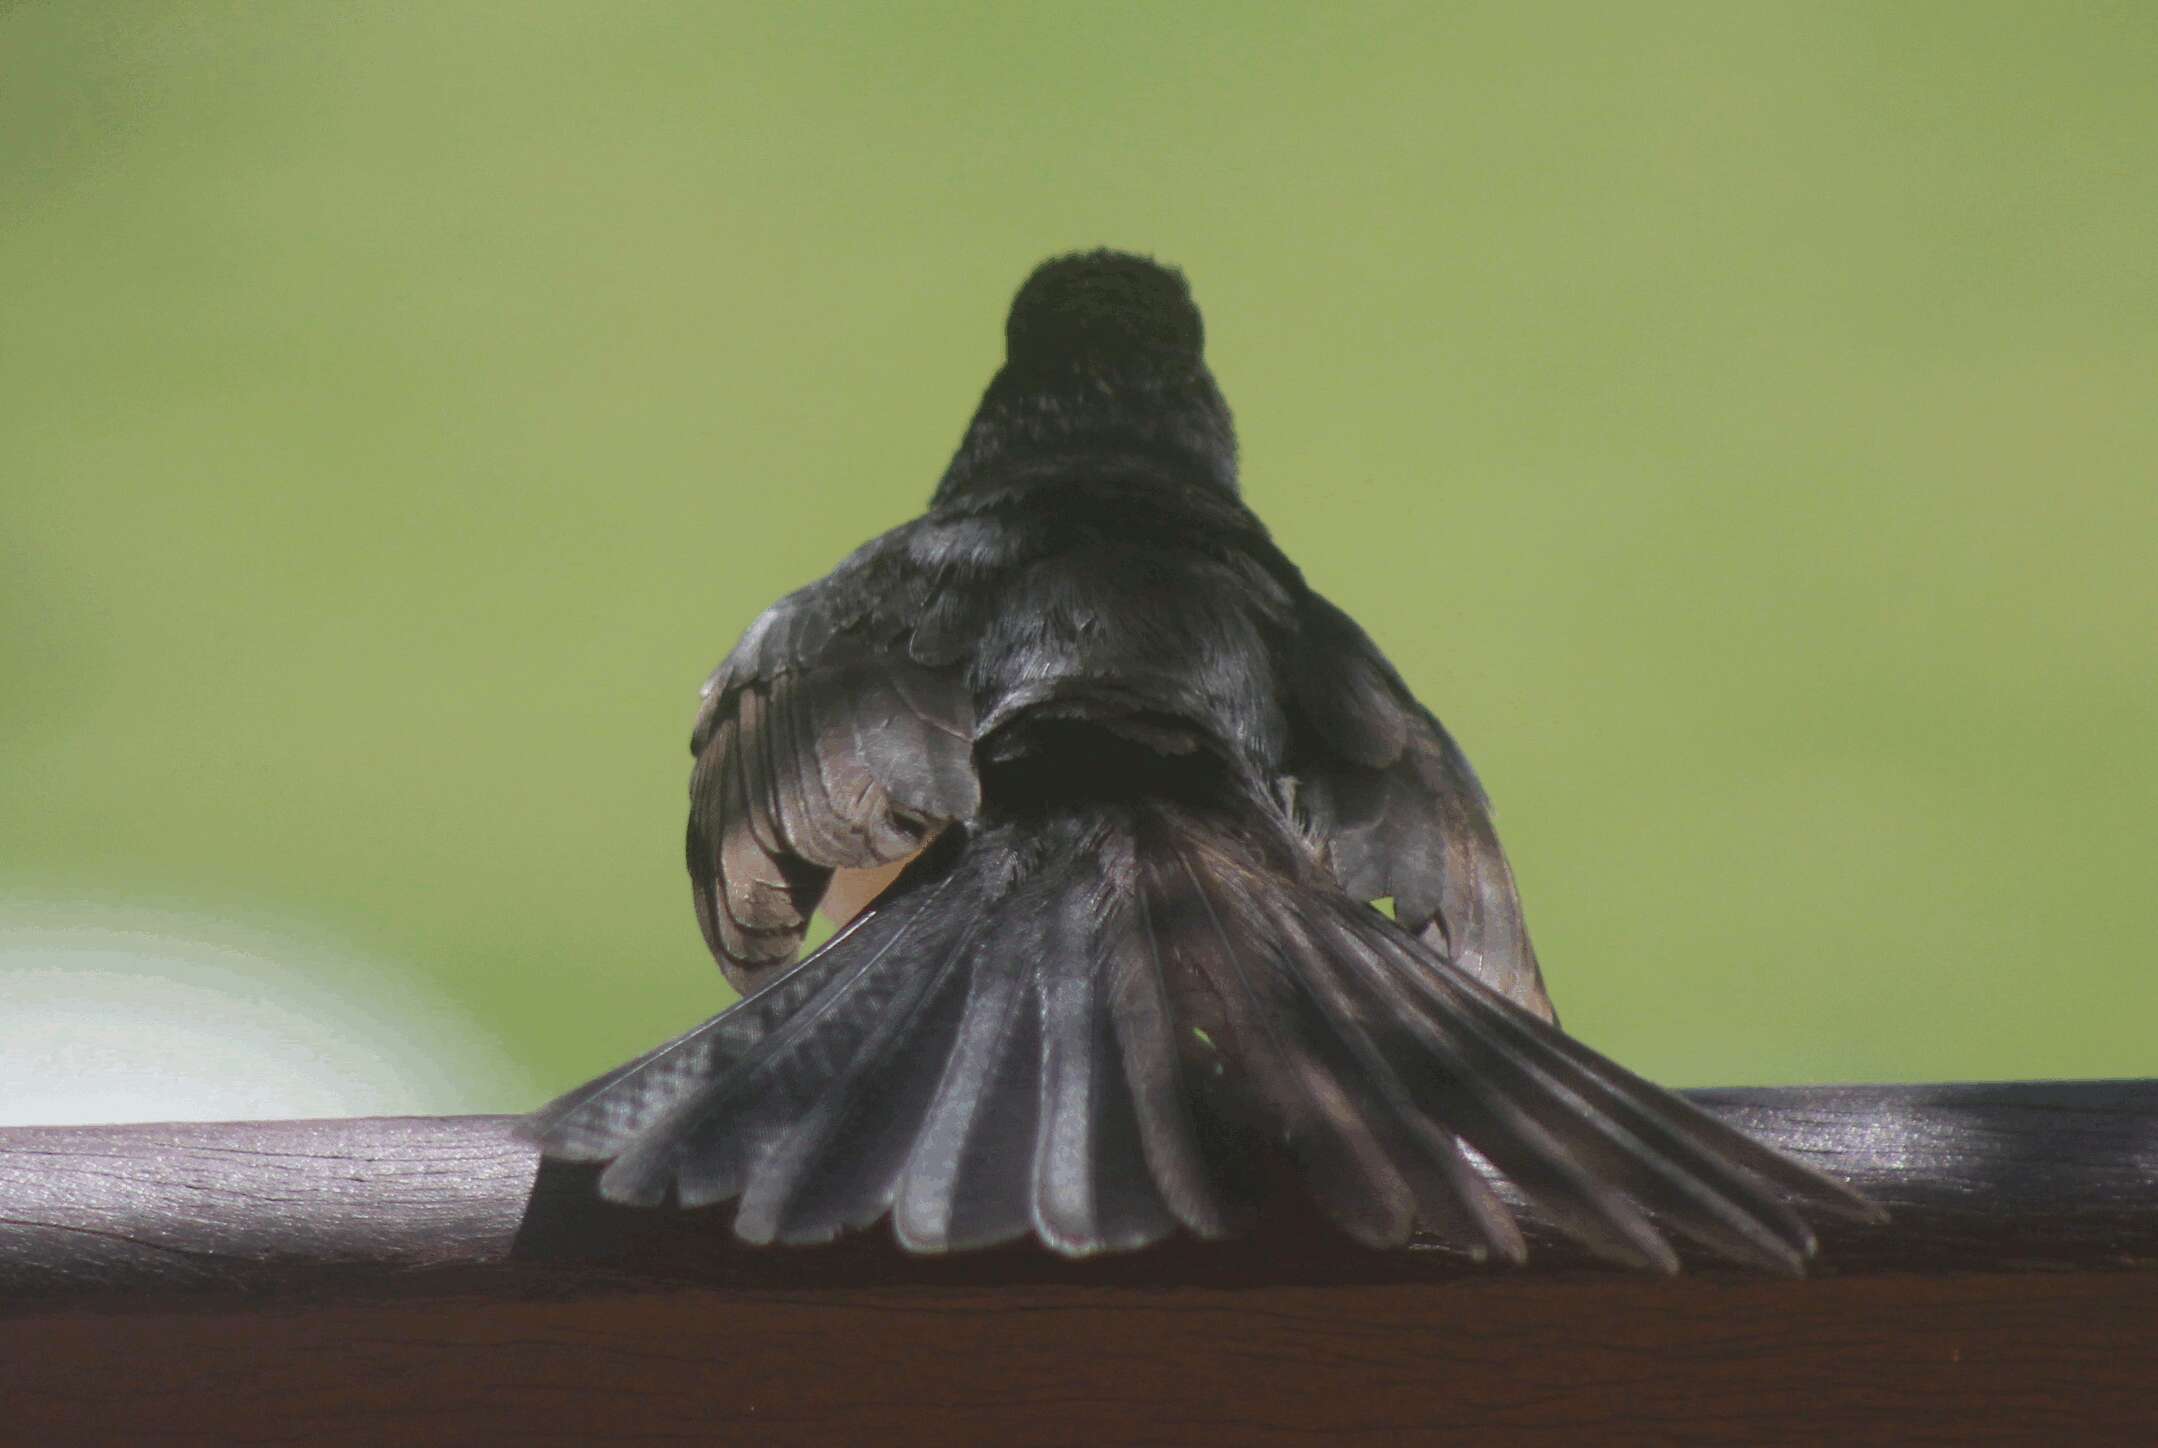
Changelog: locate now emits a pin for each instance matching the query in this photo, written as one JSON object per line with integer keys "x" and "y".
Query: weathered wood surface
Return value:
{"x": 421, "y": 1280}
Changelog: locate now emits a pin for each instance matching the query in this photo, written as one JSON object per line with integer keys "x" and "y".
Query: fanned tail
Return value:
{"x": 1100, "y": 1023}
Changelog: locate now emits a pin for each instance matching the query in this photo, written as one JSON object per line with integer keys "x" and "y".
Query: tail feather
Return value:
{"x": 1342, "y": 1111}
{"x": 1092, "y": 1186}
{"x": 1146, "y": 1030}
{"x": 966, "y": 1183}
{"x": 1679, "y": 1127}
{"x": 1099, "y": 1026}
{"x": 1562, "y": 1155}
{"x": 718, "y": 1137}
{"x": 832, "y": 1167}
{"x": 1327, "y": 1123}
{"x": 702, "y": 1125}
{"x": 598, "y": 1119}
{"x": 963, "y": 1179}
{"x": 1718, "y": 1173}
{"x": 1633, "y": 1141}
{"x": 1453, "y": 1201}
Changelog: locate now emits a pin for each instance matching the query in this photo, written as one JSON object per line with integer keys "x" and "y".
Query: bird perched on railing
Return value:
{"x": 1149, "y": 784}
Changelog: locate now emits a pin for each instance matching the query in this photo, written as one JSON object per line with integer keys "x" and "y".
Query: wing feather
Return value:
{"x": 824, "y": 743}
{"x": 1397, "y": 812}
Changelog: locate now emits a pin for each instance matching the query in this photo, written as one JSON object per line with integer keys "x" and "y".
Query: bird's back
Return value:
{"x": 1136, "y": 607}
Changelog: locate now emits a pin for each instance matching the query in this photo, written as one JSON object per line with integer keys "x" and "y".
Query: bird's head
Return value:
{"x": 1104, "y": 365}
{"x": 1108, "y": 308}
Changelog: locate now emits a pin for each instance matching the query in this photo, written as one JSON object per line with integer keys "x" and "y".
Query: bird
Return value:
{"x": 1140, "y": 794}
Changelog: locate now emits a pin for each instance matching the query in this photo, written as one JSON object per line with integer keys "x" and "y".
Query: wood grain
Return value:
{"x": 421, "y": 1280}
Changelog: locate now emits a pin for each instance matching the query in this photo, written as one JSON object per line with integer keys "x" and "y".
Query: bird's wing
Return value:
{"x": 1396, "y": 811}
{"x": 829, "y": 739}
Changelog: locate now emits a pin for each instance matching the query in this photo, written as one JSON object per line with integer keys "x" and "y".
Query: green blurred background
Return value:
{"x": 1738, "y": 421}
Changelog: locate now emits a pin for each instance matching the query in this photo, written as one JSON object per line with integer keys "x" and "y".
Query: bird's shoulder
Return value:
{"x": 872, "y": 603}
{"x": 884, "y": 594}
{"x": 1354, "y": 703}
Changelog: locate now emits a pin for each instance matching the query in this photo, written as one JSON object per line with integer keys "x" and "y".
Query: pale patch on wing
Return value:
{"x": 851, "y": 891}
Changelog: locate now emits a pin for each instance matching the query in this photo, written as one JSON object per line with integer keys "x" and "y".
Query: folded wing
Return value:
{"x": 823, "y": 744}
{"x": 1397, "y": 811}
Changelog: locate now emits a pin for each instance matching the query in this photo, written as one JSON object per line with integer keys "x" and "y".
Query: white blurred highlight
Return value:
{"x": 125, "y": 1015}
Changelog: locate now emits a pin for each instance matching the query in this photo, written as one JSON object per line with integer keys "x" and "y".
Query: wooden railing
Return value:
{"x": 424, "y": 1280}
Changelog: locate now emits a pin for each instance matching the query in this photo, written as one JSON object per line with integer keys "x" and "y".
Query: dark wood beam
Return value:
{"x": 424, "y": 1280}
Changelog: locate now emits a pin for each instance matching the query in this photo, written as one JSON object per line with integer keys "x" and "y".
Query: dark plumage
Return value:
{"x": 1135, "y": 971}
